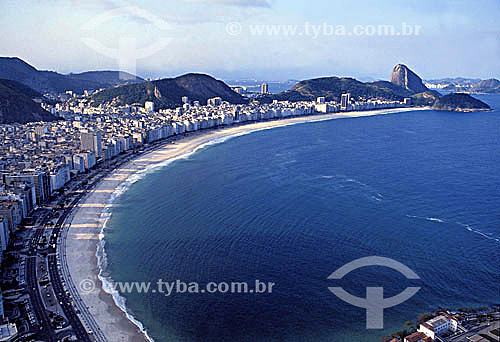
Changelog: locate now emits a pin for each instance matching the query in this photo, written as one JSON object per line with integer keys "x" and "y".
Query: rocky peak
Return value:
{"x": 404, "y": 77}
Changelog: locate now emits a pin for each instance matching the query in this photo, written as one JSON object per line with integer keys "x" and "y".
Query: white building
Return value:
{"x": 149, "y": 106}
{"x": 345, "y": 100}
{"x": 59, "y": 177}
{"x": 438, "y": 326}
{"x": 215, "y": 101}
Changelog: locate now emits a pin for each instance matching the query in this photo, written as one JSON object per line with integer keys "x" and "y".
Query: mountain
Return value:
{"x": 13, "y": 68}
{"x": 17, "y": 106}
{"x": 404, "y": 83}
{"x": 109, "y": 78}
{"x": 405, "y": 78}
{"x": 167, "y": 93}
{"x": 487, "y": 86}
{"x": 459, "y": 102}
{"x": 333, "y": 87}
{"x": 467, "y": 85}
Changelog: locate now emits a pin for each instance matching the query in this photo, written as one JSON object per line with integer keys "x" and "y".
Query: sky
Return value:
{"x": 221, "y": 37}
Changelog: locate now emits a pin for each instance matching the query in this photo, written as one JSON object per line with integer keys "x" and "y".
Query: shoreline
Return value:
{"x": 84, "y": 244}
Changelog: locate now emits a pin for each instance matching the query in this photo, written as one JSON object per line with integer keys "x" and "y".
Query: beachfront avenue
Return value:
{"x": 178, "y": 286}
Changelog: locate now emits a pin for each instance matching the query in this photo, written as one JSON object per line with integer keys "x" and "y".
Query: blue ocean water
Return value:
{"x": 293, "y": 204}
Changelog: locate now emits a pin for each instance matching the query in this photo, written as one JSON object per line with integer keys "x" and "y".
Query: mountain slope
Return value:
{"x": 402, "y": 76}
{"x": 17, "y": 106}
{"x": 52, "y": 82}
{"x": 108, "y": 77}
{"x": 167, "y": 93}
{"x": 487, "y": 86}
{"x": 333, "y": 87}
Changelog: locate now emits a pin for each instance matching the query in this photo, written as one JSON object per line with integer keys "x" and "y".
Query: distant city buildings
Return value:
{"x": 91, "y": 141}
{"x": 149, "y": 106}
{"x": 239, "y": 90}
{"x": 345, "y": 101}
{"x": 264, "y": 89}
{"x": 216, "y": 101}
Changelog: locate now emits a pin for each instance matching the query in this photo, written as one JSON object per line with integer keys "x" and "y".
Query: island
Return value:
{"x": 459, "y": 102}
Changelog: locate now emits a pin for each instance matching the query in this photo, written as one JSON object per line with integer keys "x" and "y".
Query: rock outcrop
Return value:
{"x": 405, "y": 78}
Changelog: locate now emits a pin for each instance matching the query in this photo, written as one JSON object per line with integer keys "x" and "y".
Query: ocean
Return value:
{"x": 292, "y": 204}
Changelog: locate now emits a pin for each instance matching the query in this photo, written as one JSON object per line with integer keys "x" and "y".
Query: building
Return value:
{"x": 149, "y": 106}
{"x": 345, "y": 101}
{"x": 417, "y": 337}
{"x": 59, "y": 177}
{"x": 320, "y": 99}
{"x": 39, "y": 179}
{"x": 7, "y": 331}
{"x": 12, "y": 212}
{"x": 264, "y": 89}
{"x": 4, "y": 234}
{"x": 215, "y": 101}
{"x": 90, "y": 141}
{"x": 438, "y": 326}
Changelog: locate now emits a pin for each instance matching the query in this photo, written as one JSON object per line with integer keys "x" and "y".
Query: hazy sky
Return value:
{"x": 457, "y": 38}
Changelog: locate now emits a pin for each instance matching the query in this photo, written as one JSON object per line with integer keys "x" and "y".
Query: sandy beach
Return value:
{"x": 87, "y": 220}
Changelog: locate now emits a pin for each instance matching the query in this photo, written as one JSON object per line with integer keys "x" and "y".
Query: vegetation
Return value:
{"x": 17, "y": 106}
{"x": 459, "y": 101}
{"x": 333, "y": 87}
{"x": 167, "y": 93}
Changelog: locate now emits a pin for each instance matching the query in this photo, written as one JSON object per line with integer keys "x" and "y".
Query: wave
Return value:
{"x": 477, "y": 231}
{"x": 468, "y": 227}
{"x": 432, "y": 219}
{"x": 102, "y": 260}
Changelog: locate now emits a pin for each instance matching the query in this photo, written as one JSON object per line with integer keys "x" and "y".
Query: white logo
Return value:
{"x": 127, "y": 53}
{"x": 374, "y": 303}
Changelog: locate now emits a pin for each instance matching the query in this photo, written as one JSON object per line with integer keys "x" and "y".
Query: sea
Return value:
{"x": 293, "y": 204}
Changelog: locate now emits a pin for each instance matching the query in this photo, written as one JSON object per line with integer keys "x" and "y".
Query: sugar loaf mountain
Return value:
{"x": 21, "y": 84}
{"x": 403, "y": 83}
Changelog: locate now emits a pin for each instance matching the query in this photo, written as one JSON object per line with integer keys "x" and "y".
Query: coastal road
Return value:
{"x": 65, "y": 301}
{"x": 34, "y": 293}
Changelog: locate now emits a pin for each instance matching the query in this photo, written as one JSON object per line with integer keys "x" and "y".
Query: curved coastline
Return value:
{"x": 85, "y": 245}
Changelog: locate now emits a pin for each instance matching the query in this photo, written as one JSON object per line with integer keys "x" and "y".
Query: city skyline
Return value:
{"x": 455, "y": 39}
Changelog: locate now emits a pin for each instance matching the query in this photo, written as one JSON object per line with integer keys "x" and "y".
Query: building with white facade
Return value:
{"x": 149, "y": 106}
{"x": 439, "y": 325}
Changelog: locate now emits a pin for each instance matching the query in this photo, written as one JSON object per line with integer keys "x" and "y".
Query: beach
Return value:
{"x": 86, "y": 224}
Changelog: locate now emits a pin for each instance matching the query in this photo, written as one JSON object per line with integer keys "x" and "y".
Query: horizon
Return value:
{"x": 361, "y": 78}
{"x": 270, "y": 40}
